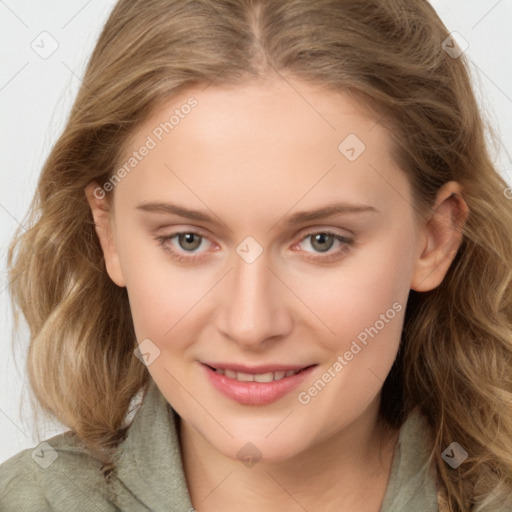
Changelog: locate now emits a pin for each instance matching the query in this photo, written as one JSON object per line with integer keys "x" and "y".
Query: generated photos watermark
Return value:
{"x": 357, "y": 345}
{"x": 157, "y": 135}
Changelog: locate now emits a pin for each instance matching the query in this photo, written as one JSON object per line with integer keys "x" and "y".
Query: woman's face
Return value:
{"x": 297, "y": 251}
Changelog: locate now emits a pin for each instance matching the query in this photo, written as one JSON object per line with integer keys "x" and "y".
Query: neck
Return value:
{"x": 347, "y": 471}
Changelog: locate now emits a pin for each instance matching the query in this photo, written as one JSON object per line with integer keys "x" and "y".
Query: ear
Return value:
{"x": 104, "y": 225}
{"x": 441, "y": 238}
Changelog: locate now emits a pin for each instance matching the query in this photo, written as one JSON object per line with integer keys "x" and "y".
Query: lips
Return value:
{"x": 263, "y": 368}
{"x": 256, "y": 377}
{"x": 261, "y": 373}
{"x": 255, "y": 385}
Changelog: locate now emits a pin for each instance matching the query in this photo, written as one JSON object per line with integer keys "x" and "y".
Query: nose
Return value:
{"x": 254, "y": 307}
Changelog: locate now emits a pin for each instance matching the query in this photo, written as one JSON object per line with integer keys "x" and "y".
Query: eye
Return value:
{"x": 187, "y": 242}
{"x": 324, "y": 241}
{"x": 186, "y": 245}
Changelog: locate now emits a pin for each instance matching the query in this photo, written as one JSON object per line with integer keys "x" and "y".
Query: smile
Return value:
{"x": 255, "y": 386}
{"x": 258, "y": 377}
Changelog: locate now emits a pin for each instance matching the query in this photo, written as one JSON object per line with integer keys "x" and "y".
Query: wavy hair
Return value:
{"x": 455, "y": 357}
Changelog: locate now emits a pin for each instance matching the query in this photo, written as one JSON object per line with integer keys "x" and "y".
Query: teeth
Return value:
{"x": 258, "y": 377}
{"x": 264, "y": 377}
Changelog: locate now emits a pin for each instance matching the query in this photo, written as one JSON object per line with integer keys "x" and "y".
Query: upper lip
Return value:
{"x": 264, "y": 368}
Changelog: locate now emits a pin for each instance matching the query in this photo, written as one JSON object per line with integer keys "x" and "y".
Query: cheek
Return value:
{"x": 160, "y": 294}
{"x": 365, "y": 307}
{"x": 161, "y": 305}
{"x": 341, "y": 301}
{"x": 351, "y": 298}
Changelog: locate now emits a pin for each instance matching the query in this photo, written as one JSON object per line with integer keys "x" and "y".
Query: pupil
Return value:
{"x": 188, "y": 239}
{"x": 321, "y": 237}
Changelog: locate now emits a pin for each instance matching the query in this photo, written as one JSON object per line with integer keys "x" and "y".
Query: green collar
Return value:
{"x": 151, "y": 471}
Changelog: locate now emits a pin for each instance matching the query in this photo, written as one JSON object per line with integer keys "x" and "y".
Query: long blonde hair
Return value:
{"x": 455, "y": 358}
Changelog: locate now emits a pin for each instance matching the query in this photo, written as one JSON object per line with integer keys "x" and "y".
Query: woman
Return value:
{"x": 337, "y": 335}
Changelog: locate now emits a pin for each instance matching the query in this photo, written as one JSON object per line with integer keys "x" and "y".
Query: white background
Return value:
{"x": 36, "y": 95}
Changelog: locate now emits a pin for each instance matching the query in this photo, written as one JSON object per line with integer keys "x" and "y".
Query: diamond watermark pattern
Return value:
{"x": 146, "y": 352}
{"x": 454, "y": 455}
{"x": 351, "y": 147}
{"x": 249, "y": 454}
{"x": 45, "y": 45}
{"x": 249, "y": 250}
{"x": 455, "y": 45}
{"x": 44, "y": 454}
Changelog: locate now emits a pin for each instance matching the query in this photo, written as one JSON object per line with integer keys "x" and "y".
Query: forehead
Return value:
{"x": 260, "y": 141}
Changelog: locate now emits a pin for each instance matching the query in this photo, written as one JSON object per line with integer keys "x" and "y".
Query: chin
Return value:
{"x": 258, "y": 449}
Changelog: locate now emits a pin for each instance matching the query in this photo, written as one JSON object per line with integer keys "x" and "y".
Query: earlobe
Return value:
{"x": 103, "y": 225}
{"x": 442, "y": 238}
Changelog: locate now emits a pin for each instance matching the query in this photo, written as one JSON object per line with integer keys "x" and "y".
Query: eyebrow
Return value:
{"x": 297, "y": 218}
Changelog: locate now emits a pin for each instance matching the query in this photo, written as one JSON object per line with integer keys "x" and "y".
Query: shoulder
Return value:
{"x": 60, "y": 475}
{"x": 55, "y": 475}
{"x": 412, "y": 482}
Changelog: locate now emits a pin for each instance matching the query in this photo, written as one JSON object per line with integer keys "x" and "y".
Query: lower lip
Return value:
{"x": 256, "y": 393}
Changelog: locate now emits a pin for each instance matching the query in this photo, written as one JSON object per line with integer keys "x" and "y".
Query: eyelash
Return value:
{"x": 193, "y": 257}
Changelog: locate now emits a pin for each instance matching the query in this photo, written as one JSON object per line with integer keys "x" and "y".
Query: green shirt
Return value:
{"x": 61, "y": 476}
